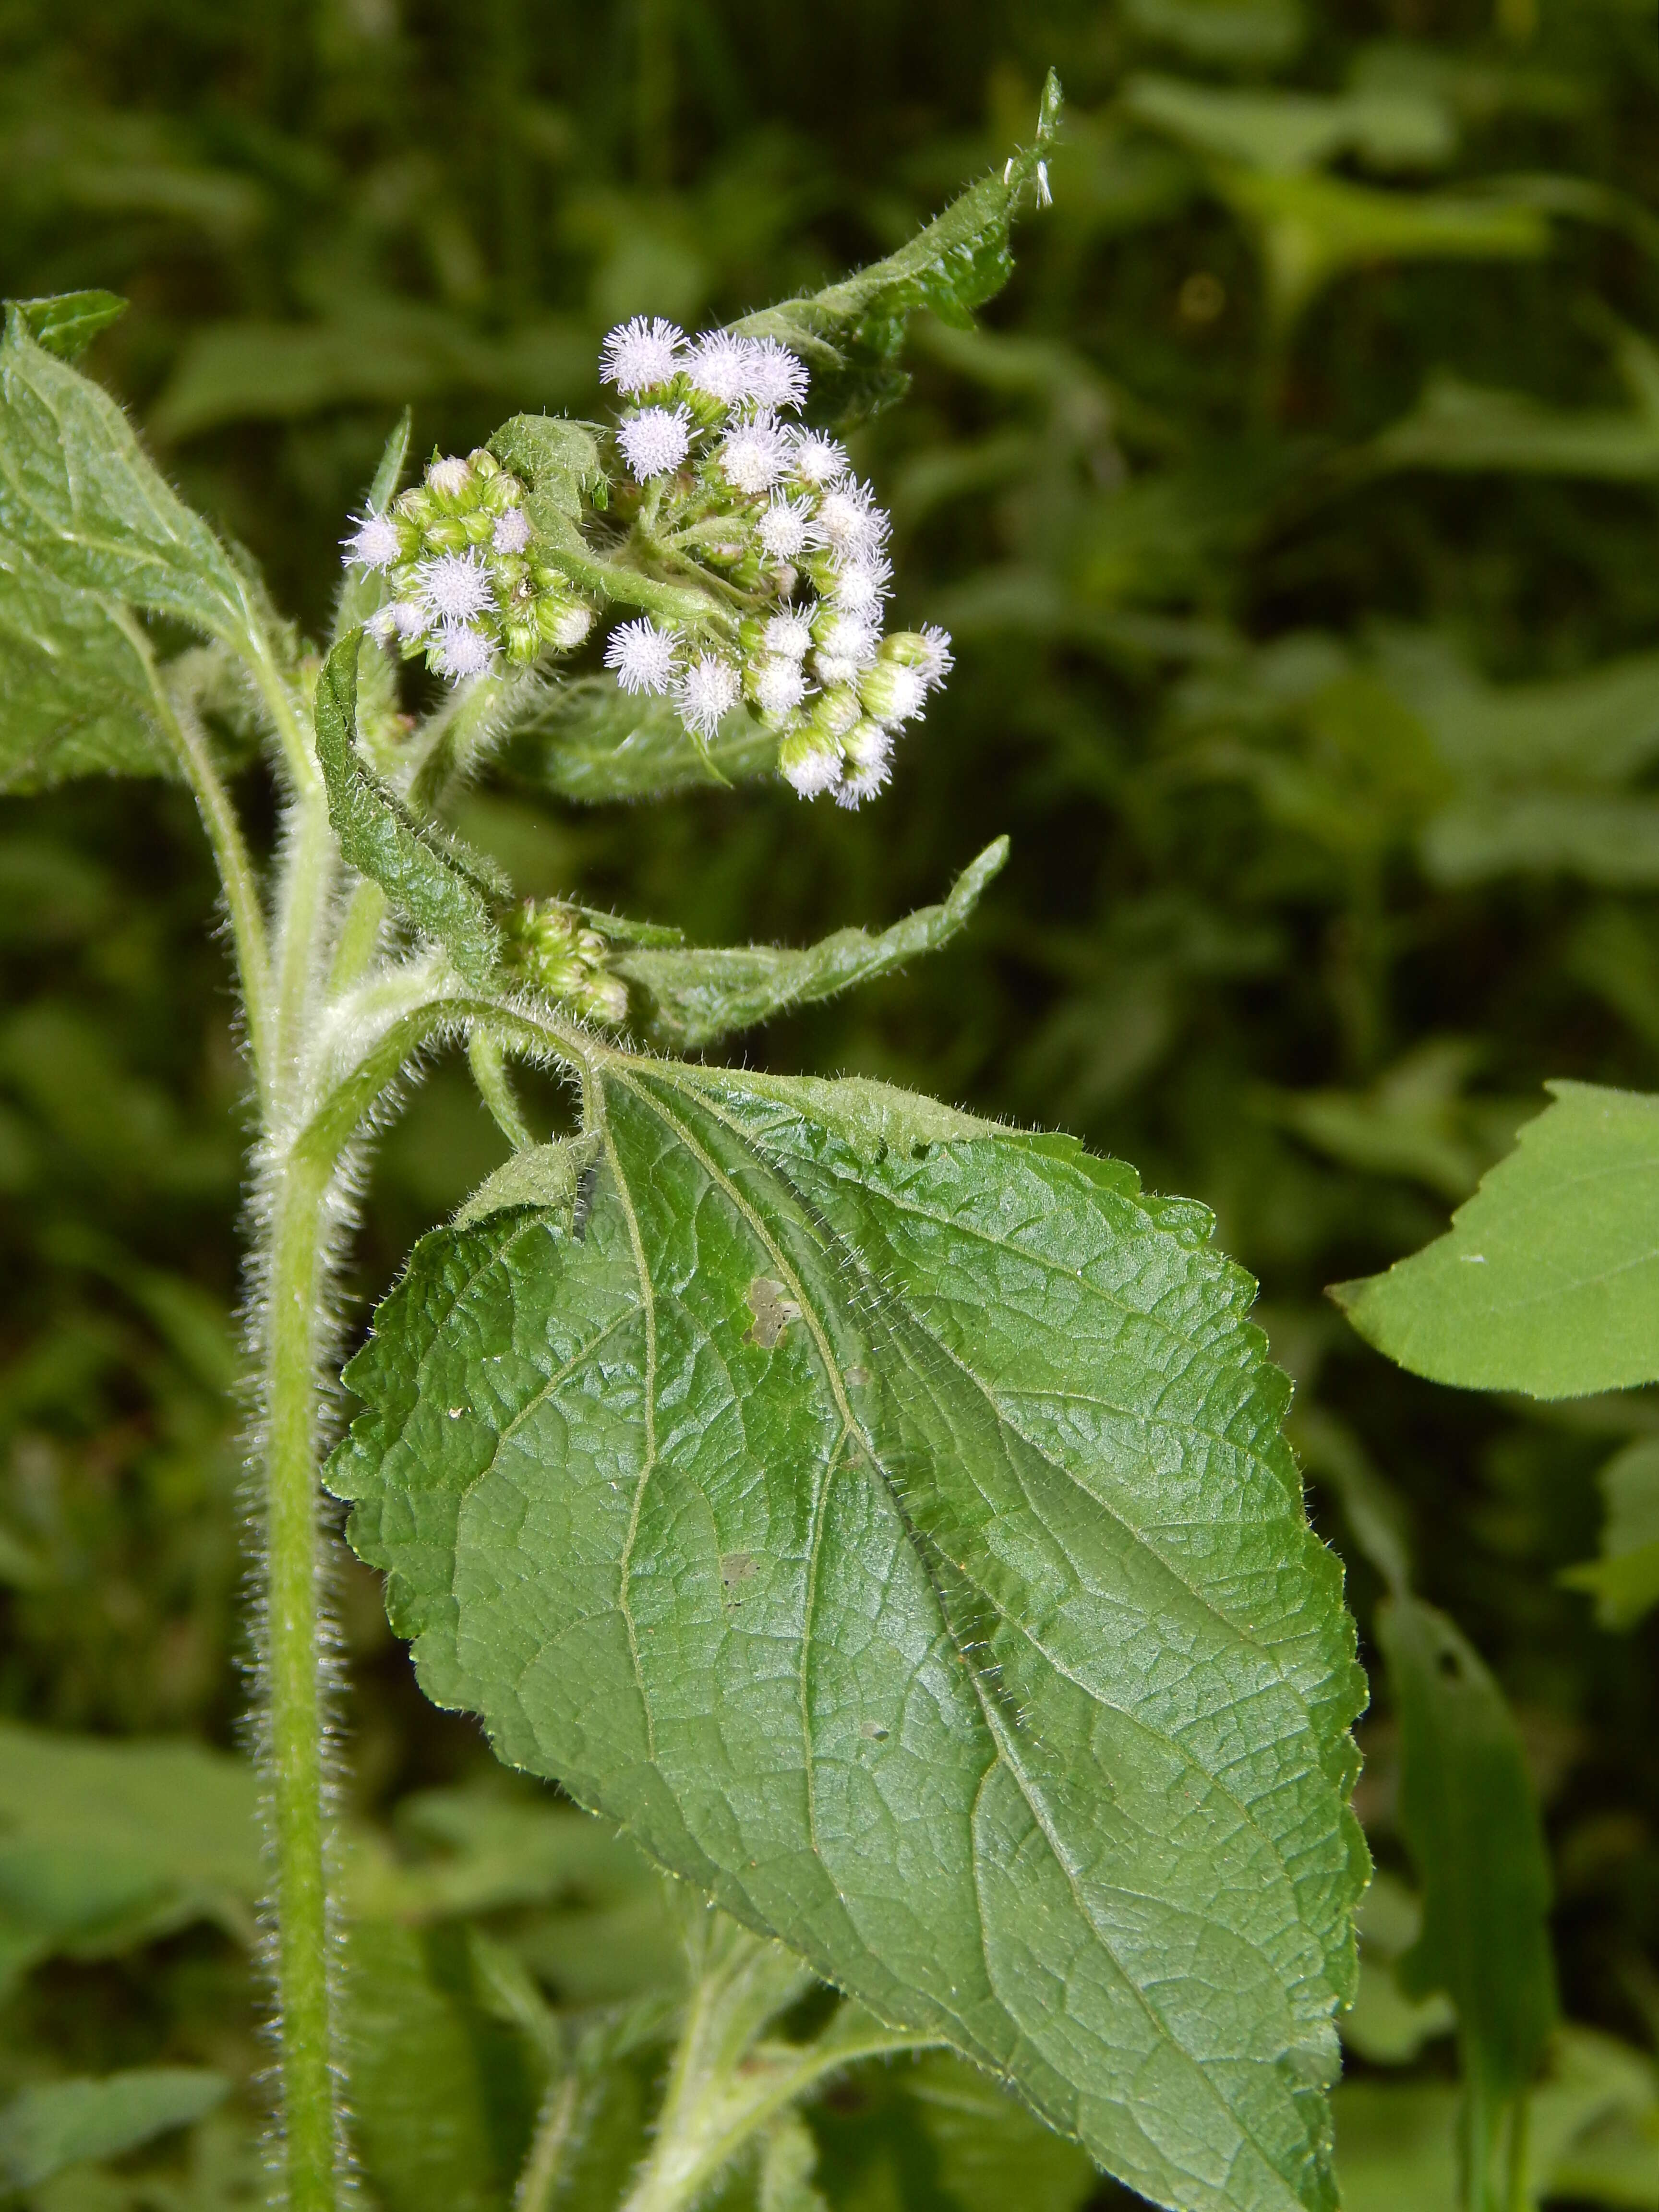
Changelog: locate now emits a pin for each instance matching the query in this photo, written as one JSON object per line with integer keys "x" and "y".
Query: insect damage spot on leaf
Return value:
{"x": 736, "y": 1568}
{"x": 773, "y": 1312}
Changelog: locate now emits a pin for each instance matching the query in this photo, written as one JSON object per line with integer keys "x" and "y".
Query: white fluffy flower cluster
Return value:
{"x": 467, "y": 584}
{"x": 775, "y": 511}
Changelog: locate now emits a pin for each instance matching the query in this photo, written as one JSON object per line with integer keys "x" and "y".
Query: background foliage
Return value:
{"x": 1294, "y": 513}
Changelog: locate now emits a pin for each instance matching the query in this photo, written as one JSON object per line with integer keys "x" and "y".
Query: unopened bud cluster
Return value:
{"x": 774, "y": 510}
{"x": 467, "y": 585}
{"x": 550, "y": 947}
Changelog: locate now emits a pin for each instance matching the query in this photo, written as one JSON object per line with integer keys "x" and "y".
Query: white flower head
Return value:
{"x": 849, "y": 637}
{"x": 451, "y": 478}
{"x": 860, "y": 586}
{"x": 722, "y": 365}
{"x": 656, "y": 440}
{"x": 642, "y": 656}
{"x": 811, "y": 773}
{"x": 640, "y": 353}
{"x": 869, "y": 762}
{"x": 777, "y": 378}
{"x": 849, "y": 521}
{"x": 571, "y": 627}
{"x": 455, "y": 587}
{"x": 784, "y": 527}
{"x": 892, "y": 692}
{"x": 788, "y": 635}
{"x": 409, "y": 619}
{"x": 939, "y": 659}
{"x": 382, "y": 625}
{"x": 709, "y": 691}
{"x": 780, "y": 687}
{"x": 461, "y": 651}
{"x": 754, "y": 456}
{"x": 818, "y": 458}
{"x": 511, "y": 532}
{"x": 374, "y": 543}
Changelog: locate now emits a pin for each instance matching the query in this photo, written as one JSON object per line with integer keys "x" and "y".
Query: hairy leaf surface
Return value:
{"x": 430, "y": 880}
{"x": 1547, "y": 1280}
{"x": 696, "y": 993}
{"x": 850, "y": 334}
{"x": 885, "y": 1516}
{"x": 588, "y": 741}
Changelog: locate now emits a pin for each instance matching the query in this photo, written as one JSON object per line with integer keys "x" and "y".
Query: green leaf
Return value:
{"x": 77, "y": 695}
{"x": 1465, "y": 428}
{"x": 884, "y": 1515}
{"x": 851, "y": 334}
{"x": 1625, "y": 1580}
{"x": 67, "y": 323}
{"x": 1287, "y": 131}
{"x": 444, "y": 892}
{"x": 104, "y": 1844}
{"x": 588, "y": 741}
{"x": 1547, "y": 1280}
{"x": 545, "y": 1176}
{"x": 80, "y": 499}
{"x": 62, "y": 2122}
{"x": 1599, "y": 838}
{"x": 559, "y": 460}
{"x": 990, "y": 2152}
{"x": 442, "y": 2098}
{"x": 1227, "y": 34}
{"x": 1310, "y": 229}
{"x": 1383, "y": 2025}
{"x": 696, "y": 994}
{"x": 1470, "y": 1821}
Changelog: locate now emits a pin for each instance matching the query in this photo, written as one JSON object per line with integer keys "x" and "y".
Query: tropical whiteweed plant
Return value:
{"x": 882, "y": 1514}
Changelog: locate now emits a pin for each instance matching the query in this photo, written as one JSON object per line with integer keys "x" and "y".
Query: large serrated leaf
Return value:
{"x": 433, "y": 883}
{"x": 1547, "y": 1280}
{"x": 588, "y": 741}
{"x": 885, "y": 1516}
{"x": 697, "y": 993}
{"x": 75, "y": 696}
{"x": 850, "y": 334}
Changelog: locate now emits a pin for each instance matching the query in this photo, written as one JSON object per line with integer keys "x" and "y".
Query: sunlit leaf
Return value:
{"x": 696, "y": 993}
{"x": 851, "y": 334}
{"x": 589, "y": 741}
{"x": 883, "y": 1515}
{"x": 1548, "y": 1280}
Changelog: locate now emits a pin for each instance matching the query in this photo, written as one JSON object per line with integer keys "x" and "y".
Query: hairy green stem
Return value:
{"x": 310, "y": 862}
{"x": 555, "y": 2126}
{"x": 294, "y": 1684}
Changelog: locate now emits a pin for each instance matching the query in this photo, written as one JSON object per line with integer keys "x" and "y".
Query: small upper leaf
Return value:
{"x": 961, "y": 1624}
{"x": 67, "y": 323}
{"x": 696, "y": 994}
{"x": 850, "y": 334}
{"x": 430, "y": 880}
{"x": 560, "y": 462}
{"x": 1547, "y": 1280}
{"x": 1625, "y": 1580}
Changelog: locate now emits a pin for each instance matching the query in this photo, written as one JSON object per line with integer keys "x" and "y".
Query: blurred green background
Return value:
{"x": 1294, "y": 512}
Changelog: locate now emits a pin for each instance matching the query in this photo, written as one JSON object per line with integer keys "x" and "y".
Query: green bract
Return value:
{"x": 884, "y": 1515}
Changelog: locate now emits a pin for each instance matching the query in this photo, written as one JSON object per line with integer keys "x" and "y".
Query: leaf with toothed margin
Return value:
{"x": 851, "y": 334}
{"x": 885, "y": 1517}
{"x": 433, "y": 882}
{"x": 694, "y": 993}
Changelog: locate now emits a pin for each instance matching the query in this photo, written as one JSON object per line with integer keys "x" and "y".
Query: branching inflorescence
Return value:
{"x": 716, "y": 488}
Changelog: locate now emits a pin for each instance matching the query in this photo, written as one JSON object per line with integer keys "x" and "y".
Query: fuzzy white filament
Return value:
{"x": 640, "y": 353}
{"x": 903, "y": 694}
{"x": 752, "y": 458}
{"x": 708, "y": 691}
{"x": 818, "y": 458}
{"x": 817, "y": 773}
{"x": 455, "y": 587}
{"x": 723, "y": 366}
{"x": 450, "y": 478}
{"x": 860, "y": 586}
{"x": 850, "y": 522}
{"x": 869, "y": 758}
{"x": 780, "y": 687}
{"x": 783, "y": 528}
{"x": 655, "y": 441}
{"x": 511, "y": 532}
{"x": 939, "y": 659}
{"x": 789, "y": 633}
{"x": 374, "y": 541}
{"x": 462, "y": 651}
{"x": 846, "y": 637}
{"x": 409, "y": 619}
{"x": 776, "y": 378}
{"x": 642, "y": 656}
